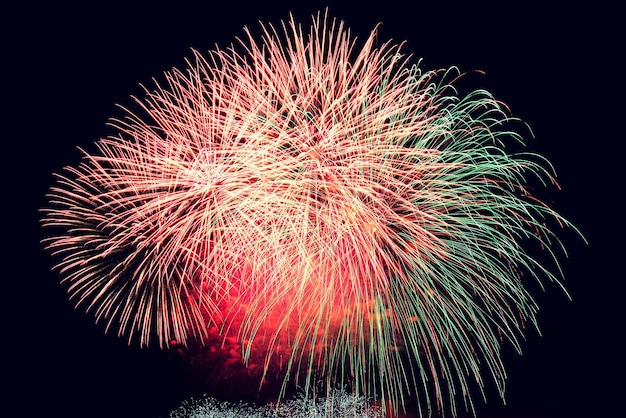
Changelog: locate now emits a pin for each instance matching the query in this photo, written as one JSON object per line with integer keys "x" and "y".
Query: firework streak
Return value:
{"x": 337, "y": 211}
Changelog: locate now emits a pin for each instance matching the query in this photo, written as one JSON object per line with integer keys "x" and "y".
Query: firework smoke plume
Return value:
{"x": 335, "y": 210}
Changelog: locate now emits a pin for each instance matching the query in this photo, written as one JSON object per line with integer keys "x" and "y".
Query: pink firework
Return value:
{"x": 334, "y": 212}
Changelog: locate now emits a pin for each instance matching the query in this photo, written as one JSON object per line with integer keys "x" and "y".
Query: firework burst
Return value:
{"x": 334, "y": 209}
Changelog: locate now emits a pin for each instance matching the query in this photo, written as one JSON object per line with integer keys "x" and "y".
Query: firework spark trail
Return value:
{"x": 333, "y": 204}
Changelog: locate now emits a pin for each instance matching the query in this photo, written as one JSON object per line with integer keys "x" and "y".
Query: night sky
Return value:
{"x": 66, "y": 68}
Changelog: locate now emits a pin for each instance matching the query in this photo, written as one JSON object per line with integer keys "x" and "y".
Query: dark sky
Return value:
{"x": 67, "y": 67}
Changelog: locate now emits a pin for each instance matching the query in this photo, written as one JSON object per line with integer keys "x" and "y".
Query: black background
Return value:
{"x": 65, "y": 67}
